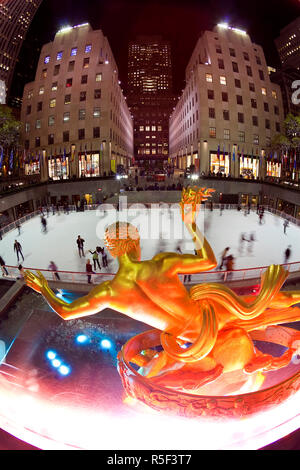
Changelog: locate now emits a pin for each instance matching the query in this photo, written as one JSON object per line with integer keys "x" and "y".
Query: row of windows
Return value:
{"x": 226, "y": 135}
{"x": 235, "y": 68}
{"x": 152, "y": 128}
{"x": 241, "y": 118}
{"x": 74, "y": 50}
{"x": 239, "y": 100}
{"x": 67, "y": 100}
{"x": 66, "y": 118}
{"x": 69, "y": 82}
{"x": 65, "y": 137}
{"x": 232, "y": 53}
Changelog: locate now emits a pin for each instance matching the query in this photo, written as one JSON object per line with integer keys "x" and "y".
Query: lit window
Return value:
{"x": 86, "y": 62}
{"x": 241, "y": 136}
{"x": 274, "y": 94}
{"x": 74, "y": 51}
{"x": 153, "y": 128}
{"x": 41, "y": 90}
{"x": 98, "y": 77}
{"x": 54, "y": 86}
{"x": 264, "y": 91}
{"x": 59, "y": 55}
{"x": 222, "y": 80}
{"x": 53, "y": 103}
{"x": 51, "y": 121}
{"x": 30, "y": 94}
{"x": 212, "y": 132}
{"x": 88, "y": 48}
{"x": 209, "y": 77}
{"x": 27, "y": 127}
{"x": 67, "y": 99}
{"x": 66, "y": 117}
{"x": 255, "y": 139}
{"x": 147, "y": 128}
{"x": 69, "y": 82}
{"x": 141, "y": 128}
{"x": 47, "y": 59}
{"x": 81, "y": 114}
{"x": 44, "y": 73}
{"x": 226, "y": 134}
{"x": 96, "y": 112}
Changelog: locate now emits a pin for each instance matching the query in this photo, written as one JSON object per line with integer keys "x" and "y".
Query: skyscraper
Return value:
{"x": 288, "y": 45}
{"x": 15, "y": 19}
{"x": 150, "y": 98}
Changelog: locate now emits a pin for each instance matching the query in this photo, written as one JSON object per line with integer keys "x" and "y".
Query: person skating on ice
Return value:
{"x": 80, "y": 244}
{"x": 18, "y": 249}
{"x": 95, "y": 259}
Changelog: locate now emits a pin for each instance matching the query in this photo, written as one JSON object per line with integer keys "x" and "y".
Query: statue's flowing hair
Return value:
{"x": 207, "y": 296}
{"x": 121, "y": 238}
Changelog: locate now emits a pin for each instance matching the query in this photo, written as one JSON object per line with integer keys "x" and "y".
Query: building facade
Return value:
{"x": 75, "y": 116}
{"x": 15, "y": 19}
{"x": 288, "y": 45}
{"x": 229, "y": 111}
{"x": 150, "y": 98}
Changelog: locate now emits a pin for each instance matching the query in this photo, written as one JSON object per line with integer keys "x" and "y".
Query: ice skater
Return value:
{"x": 95, "y": 259}
{"x": 18, "y": 225}
{"x": 243, "y": 239}
{"x": 18, "y": 249}
{"x": 251, "y": 240}
{"x": 89, "y": 270}
{"x": 44, "y": 223}
{"x": 80, "y": 244}
{"x": 287, "y": 254}
{"x": 229, "y": 267}
{"x": 285, "y": 225}
{"x": 3, "y": 268}
{"x": 52, "y": 266}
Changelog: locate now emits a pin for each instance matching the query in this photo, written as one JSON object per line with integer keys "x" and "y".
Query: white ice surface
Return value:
{"x": 59, "y": 243}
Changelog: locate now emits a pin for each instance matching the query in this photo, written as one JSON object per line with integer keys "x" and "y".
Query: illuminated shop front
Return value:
{"x": 32, "y": 168}
{"x": 58, "y": 168}
{"x": 274, "y": 169}
{"x": 89, "y": 165}
{"x": 249, "y": 167}
{"x": 220, "y": 163}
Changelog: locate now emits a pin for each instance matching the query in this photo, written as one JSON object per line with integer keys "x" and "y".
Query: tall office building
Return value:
{"x": 75, "y": 116}
{"x": 229, "y": 111}
{"x": 150, "y": 98}
{"x": 15, "y": 19}
{"x": 288, "y": 45}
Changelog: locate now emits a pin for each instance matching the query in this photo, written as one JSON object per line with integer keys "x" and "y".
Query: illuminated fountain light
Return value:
{"x": 81, "y": 339}
{"x": 106, "y": 344}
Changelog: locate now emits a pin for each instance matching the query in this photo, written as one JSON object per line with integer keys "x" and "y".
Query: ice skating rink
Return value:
{"x": 160, "y": 229}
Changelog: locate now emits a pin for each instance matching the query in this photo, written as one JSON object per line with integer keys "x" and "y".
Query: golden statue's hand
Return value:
{"x": 191, "y": 199}
{"x": 37, "y": 281}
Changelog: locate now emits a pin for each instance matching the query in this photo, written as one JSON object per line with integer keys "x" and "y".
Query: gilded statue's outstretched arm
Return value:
{"x": 205, "y": 258}
{"x": 96, "y": 300}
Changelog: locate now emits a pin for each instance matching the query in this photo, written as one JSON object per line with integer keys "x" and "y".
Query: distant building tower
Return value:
{"x": 150, "y": 98}
{"x": 288, "y": 45}
{"x": 15, "y": 19}
{"x": 2, "y": 92}
{"x": 76, "y": 122}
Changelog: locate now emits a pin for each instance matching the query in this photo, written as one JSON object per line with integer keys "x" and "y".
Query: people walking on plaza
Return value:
{"x": 18, "y": 249}
{"x": 223, "y": 257}
{"x": 89, "y": 270}
{"x": 287, "y": 254}
{"x": 285, "y": 225}
{"x": 52, "y": 266}
{"x": 2, "y": 264}
{"x": 95, "y": 259}
{"x": 80, "y": 244}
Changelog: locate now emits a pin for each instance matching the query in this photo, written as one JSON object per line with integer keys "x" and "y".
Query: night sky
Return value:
{"x": 179, "y": 21}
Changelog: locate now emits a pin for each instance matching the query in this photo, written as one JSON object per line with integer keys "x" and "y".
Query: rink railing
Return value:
{"x": 72, "y": 277}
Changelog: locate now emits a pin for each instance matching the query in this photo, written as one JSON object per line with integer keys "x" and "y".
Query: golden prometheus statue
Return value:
{"x": 211, "y": 318}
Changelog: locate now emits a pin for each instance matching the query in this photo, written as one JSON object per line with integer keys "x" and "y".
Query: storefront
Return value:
{"x": 249, "y": 167}
{"x": 89, "y": 165}
{"x": 274, "y": 169}
{"x": 58, "y": 168}
{"x": 220, "y": 163}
